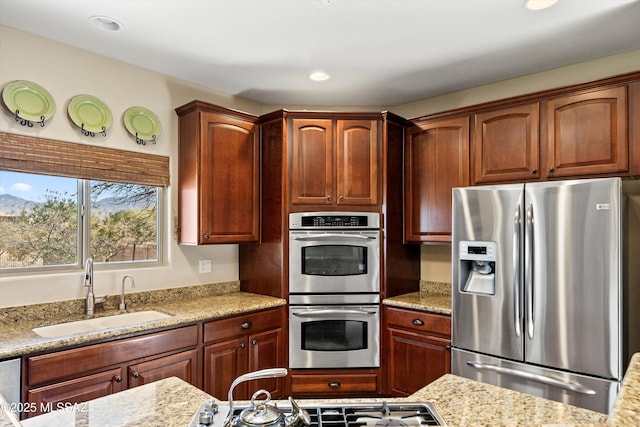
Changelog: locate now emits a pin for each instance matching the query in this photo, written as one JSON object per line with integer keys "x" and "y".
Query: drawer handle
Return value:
{"x": 418, "y": 322}
{"x": 135, "y": 374}
{"x": 117, "y": 378}
{"x": 334, "y": 384}
{"x": 246, "y": 325}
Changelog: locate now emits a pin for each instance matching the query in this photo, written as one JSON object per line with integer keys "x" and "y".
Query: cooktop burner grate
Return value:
{"x": 367, "y": 415}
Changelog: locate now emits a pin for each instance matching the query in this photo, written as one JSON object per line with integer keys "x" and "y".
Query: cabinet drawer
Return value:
{"x": 419, "y": 321}
{"x": 67, "y": 363}
{"x": 220, "y": 330}
{"x": 363, "y": 383}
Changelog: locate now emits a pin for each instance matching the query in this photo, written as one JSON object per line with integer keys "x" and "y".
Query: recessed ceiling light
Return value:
{"x": 105, "y": 23}
{"x": 319, "y": 76}
{"x": 539, "y": 4}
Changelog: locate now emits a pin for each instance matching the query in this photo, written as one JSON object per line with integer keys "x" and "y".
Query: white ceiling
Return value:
{"x": 378, "y": 52}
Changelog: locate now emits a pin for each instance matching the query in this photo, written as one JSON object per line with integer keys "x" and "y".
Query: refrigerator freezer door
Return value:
{"x": 573, "y": 276}
{"x": 488, "y": 317}
{"x": 578, "y": 390}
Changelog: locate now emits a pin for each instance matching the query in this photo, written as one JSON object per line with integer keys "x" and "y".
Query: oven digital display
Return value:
{"x": 344, "y": 221}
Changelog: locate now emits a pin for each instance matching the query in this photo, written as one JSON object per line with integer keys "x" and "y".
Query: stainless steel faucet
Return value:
{"x": 90, "y": 304}
{"x": 133, "y": 285}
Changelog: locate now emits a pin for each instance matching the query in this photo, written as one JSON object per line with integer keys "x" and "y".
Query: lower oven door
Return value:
{"x": 334, "y": 337}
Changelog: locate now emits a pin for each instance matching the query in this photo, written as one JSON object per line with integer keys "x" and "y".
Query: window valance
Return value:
{"x": 28, "y": 154}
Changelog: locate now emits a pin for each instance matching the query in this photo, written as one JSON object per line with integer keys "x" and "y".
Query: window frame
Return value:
{"x": 85, "y": 162}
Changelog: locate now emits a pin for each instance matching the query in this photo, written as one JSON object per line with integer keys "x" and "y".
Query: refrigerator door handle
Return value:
{"x": 528, "y": 280}
{"x": 576, "y": 387}
{"x": 516, "y": 268}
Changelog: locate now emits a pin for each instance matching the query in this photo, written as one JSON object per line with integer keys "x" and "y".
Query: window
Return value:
{"x": 45, "y": 221}
{"x": 62, "y": 202}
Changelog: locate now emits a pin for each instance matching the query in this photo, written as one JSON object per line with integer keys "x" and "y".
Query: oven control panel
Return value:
{"x": 333, "y": 220}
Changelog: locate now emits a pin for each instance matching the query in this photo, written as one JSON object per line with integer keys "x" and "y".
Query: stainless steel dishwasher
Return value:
{"x": 10, "y": 382}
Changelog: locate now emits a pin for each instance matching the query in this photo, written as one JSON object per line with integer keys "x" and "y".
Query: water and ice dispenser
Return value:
{"x": 477, "y": 267}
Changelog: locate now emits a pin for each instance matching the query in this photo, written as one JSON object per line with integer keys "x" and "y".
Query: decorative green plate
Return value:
{"x": 142, "y": 123}
{"x": 28, "y": 101}
{"x": 89, "y": 113}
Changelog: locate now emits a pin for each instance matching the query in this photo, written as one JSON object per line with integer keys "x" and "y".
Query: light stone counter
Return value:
{"x": 434, "y": 297}
{"x": 185, "y": 305}
{"x": 460, "y": 401}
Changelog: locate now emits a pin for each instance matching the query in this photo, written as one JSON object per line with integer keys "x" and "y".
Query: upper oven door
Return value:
{"x": 334, "y": 261}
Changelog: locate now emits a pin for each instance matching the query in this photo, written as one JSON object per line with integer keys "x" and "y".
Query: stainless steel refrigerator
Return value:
{"x": 544, "y": 301}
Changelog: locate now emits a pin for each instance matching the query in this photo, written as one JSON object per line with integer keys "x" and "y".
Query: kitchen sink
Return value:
{"x": 97, "y": 323}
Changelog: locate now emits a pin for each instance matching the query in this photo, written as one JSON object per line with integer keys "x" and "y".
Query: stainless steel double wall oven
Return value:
{"x": 334, "y": 290}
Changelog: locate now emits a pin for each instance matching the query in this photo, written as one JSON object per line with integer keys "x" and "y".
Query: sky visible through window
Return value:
{"x": 33, "y": 187}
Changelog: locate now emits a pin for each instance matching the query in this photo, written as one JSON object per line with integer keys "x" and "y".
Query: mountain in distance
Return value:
{"x": 12, "y": 205}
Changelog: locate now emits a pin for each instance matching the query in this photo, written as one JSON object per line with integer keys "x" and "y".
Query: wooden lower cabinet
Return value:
{"x": 242, "y": 344}
{"x": 334, "y": 383}
{"x": 417, "y": 349}
{"x": 81, "y": 374}
{"x": 77, "y": 390}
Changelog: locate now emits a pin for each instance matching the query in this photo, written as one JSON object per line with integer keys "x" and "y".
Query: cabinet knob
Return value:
{"x": 534, "y": 171}
{"x": 117, "y": 378}
{"x": 242, "y": 345}
{"x": 551, "y": 170}
{"x": 341, "y": 198}
{"x": 417, "y": 322}
{"x": 334, "y": 384}
{"x": 254, "y": 342}
{"x": 246, "y": 325}
{"x": 329, "y": 198}
{"x": 135, "y": 374}
{"x": 205, "y": 236}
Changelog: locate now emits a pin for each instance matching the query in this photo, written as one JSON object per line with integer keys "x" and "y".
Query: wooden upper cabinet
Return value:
{"x": 334, "y": 162}
{"x": 634, "y": 128}
{"x": 357, "y": 162}
{"x": 436, "y": 160}
{"x": 586, "y": 133}
{"x": 505, "y": 144}
{"x": 312, "y": 167}
{"x": 218, "y": 168}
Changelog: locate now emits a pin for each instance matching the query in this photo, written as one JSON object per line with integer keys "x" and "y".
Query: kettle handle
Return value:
{"x": 256, "y": 375}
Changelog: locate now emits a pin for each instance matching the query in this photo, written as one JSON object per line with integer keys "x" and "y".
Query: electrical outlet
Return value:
{"x": 204, "y": 266}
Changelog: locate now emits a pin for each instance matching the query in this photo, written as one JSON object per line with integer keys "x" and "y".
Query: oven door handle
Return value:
{"x": 328, "y": 236}
{"x": 332, "y": 312}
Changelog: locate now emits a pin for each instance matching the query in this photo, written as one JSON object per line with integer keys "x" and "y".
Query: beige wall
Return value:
{"x": 67, "y": 71}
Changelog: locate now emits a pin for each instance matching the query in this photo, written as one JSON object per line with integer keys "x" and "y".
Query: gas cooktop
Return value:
{"x": 398, "y": 414}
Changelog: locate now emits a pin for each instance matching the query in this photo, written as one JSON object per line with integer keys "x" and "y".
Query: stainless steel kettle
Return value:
{"x": 260, "y": 413}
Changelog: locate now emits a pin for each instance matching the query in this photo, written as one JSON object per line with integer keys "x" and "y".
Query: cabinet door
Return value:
{"x": 229, "y": 187}
{"x": 312, "y": 162}
{"x": 224, "y": 362}
{"x": 506, "y": 144}
{"x": 587, "y": 133}
{"x": 77, "y": 390}
{"x": 415, "y": 360}
{"x": 265, "y": 352}
{"x": 182, "y": 365}
{"x": 436, "y": 160}
{"x": 357, "y": 162}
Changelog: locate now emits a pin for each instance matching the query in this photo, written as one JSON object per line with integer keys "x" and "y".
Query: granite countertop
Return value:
{"x": 185, "y": 305}
{"x": 461, "y": 402}
{"x": 433, "y": 297}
